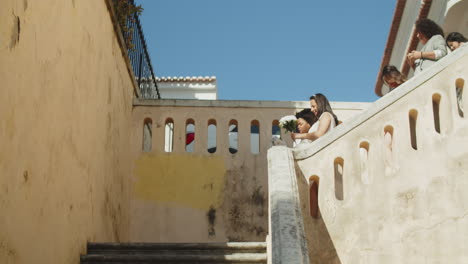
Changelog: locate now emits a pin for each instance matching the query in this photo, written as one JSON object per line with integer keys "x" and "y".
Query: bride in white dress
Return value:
{"x": 306, "y": 119}
{"x": 327, "y": 120}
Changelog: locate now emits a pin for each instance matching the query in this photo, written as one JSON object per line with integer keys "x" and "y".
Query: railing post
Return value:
{"x": 139, "y": 71}
{"x": 288, "y": 243}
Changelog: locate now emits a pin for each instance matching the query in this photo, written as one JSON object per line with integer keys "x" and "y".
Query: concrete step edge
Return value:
{"x": 208, "y": 246}
{"x": 154, "y": 251}
{"x": 255, "y": 257}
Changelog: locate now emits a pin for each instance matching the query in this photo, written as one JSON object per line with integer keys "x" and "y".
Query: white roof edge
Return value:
{"x": 186, "y": 79}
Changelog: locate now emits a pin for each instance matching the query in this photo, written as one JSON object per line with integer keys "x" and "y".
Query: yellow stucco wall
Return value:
{"x": 201, "y": 196}
{"x": 194, "y": 181}
{"x": 65, "y": 109}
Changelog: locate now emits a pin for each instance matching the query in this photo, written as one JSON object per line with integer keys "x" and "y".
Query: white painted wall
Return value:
{"x": 188, "y": 88}
{"x": 405, "y": 204}
{"x": 456, "y": 17}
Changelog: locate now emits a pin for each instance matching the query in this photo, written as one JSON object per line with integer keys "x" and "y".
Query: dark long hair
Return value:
{"x": 455, "y": 36}
{"x": 323, "y": 106}
{"x": 392, "y": 71}
{"x": 428, "y": 28}
{"x": 307, "y": 115}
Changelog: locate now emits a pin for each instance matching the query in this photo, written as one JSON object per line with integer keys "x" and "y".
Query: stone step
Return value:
{"x": 245, "y": 258}
{"x": 181, "y": 248}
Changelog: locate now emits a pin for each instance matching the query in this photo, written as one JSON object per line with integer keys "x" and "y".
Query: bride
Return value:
{"x": 305, "y": 121}
{"x": 326, "y": 120}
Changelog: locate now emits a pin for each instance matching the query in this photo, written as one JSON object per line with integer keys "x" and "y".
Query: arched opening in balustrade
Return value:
{"x": 313, "y": 196}
{"x": 147, "y": 134}
{"x": 388, "y": 145}
{"x": 255, "y": 137}
{"x": 388, "y": 129}
{"x": 339, "y": 171}
{"x": 189, "y": 135}
{"x": 211, "y": 147}
{"x": 459, "y": 84}
{"x": 169, "y": 135}
{"x": 275, "y": 131}
{"x": 364, "y": 156}
{"x": 436, "y": 111}
{"x": 413, "y": 117}
{"x": 233, "y": 136}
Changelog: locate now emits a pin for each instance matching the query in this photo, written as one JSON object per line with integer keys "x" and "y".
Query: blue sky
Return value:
{"x": 271, "y": 50}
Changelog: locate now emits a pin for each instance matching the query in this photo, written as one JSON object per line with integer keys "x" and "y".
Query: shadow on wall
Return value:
{"x": 319, "y": 242}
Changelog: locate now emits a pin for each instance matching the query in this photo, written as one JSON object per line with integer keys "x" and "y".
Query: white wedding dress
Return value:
{"x": 314, "y": 128}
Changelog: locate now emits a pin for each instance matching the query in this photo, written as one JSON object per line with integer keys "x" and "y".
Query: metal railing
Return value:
{"x": 139, "y": 57}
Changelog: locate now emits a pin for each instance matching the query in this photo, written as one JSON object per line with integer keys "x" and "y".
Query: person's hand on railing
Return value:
{"x": 410, "y": 58}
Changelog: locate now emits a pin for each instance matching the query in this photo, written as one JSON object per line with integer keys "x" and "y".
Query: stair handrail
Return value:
{"x": 309, "y": 150}
{"x": 286, "y": 228}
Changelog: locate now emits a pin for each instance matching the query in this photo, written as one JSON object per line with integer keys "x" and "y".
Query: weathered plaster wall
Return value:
{"x": 286, "y": 238}
{"x": 65, "y": 110}
{"x": 401, "y": 202}
{"x": 319, "y": 243}
{"x": 198, "y": 196}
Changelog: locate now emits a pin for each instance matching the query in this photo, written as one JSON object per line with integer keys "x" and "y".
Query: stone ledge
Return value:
{"x": 384, "y": 102}
{"x": 288, "y": 243}
{"x": 245, "y": 104}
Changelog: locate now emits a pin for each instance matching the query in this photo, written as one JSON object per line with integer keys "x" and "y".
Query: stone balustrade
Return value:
{"x": 220, "y": 188}
{"x": 286, "y": 228}
{"x": 390, "y": 184}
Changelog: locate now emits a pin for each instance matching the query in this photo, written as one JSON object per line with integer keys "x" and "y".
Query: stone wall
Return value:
{"x": 319, "y": 243}
{"x": 182, "y": 196}
{"x": 65, "y": 111}
{"x": 287, "y": 242}
{"x": 392, "y": 181}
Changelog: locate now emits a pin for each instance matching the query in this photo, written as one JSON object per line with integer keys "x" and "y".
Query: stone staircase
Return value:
{"x": 172, "y": 253}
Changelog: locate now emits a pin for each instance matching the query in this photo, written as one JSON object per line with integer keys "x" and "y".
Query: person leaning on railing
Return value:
{"x": 455, "y": 40}
{"x": 327, "y": 120}
{"x": 432, "y": 36}
{"x": 392, "y": 77}
{"x": 305, "y": 121}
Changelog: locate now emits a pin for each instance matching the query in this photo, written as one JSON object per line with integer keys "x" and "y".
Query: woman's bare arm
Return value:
{"x": 325, "y": 121}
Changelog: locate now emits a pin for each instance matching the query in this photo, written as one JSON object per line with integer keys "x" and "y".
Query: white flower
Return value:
{"x": 289, "y": 123}
{"x": 287, "y": 118}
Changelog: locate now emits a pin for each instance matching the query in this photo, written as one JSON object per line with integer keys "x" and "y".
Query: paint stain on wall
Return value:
{"x": 26, "y": 176}
{"x": 211, "y": 215}
{"x": 195, "y": 181}
{"x": 7, "y": 254}
{"x": 236, "y": 217}
{"x": 15, "y": 32}
{"x": 258, "y": 199}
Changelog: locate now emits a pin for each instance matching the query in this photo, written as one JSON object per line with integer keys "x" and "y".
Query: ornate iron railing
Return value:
{"x": 138, "y": 55}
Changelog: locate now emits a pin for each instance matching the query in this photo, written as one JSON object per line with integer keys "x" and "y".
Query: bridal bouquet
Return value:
{"x": 289, "y": 123}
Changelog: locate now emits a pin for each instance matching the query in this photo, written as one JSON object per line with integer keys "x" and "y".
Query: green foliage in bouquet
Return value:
{"x": 288, "y": 123}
